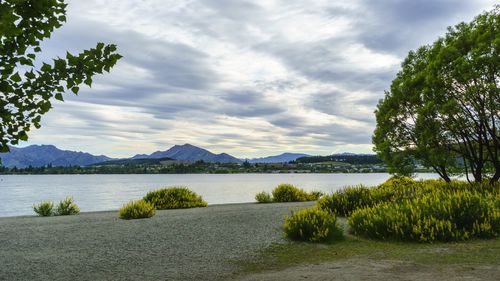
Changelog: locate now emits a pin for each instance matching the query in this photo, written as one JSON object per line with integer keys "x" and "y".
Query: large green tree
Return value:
{"x": 27, "y": 86}
{"x": 443, "y": 107}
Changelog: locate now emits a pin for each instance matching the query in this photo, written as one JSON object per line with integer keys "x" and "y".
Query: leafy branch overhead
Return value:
{"x": 26, "y": 91}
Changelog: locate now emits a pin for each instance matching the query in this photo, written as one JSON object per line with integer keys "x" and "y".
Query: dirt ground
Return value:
{"x": 383, "y": 270}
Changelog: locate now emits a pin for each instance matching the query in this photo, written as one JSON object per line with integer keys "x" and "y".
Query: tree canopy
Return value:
{"x": 443, "y": 107}
{"x": 28, "y": 86}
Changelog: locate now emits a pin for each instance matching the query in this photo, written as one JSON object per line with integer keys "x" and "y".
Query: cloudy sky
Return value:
{"x": 249, "y": 78}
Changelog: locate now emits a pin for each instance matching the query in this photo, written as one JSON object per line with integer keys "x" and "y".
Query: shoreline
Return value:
{"x": 116, "y": 210}
{"x": 249, "y": 173}
{"x": 179, "y": 244}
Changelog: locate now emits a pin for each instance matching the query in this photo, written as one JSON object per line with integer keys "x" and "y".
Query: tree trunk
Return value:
{"x": 446, "y": 178}
{"x": 441, "y": 170}
{"x": 495, "y": 177}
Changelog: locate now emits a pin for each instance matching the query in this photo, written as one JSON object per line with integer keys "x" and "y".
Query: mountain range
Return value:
{"x": 43, "y": 155}
{"x": 282, "y": 158}
{"x": 190, "y": 152}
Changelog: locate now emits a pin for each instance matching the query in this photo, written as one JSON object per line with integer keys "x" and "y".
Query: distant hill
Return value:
{"x": 190, "y": 152}
{"x": 140, "y": 161}
{"x": 43, "y": 155}
{"x": 346, "y": 157}
{"x": 282, "y": 158}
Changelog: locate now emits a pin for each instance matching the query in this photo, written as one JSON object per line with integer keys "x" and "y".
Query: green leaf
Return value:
{"x": 45, "y": 106}
{"x": 46, "y": 67}
{"x": 58, "y": 96}
{"x": 75, "y": 90}
{"x": 16, "y": 77}
{"x": 23, "y": 136}
{"x": 25, "y": 61}
{"x": 60, "y": 65}
{"x": 88, "y": 81}
{"x": 30, "y": 75}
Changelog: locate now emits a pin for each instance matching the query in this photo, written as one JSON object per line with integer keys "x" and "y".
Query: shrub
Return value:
{"x": 44, "y": 209}
{"x": 174, "y": 198}
{"x": 345, "y": 201}
{"x": 316, "y": 194}
{"x": 67, "y": 207}
{"x": 288, "y": 193}
{"x": 397, "y": 188}
{"x": 138, "y": 209}
{"x": 442, "y": 216}
{"x": 312, "y": 225}
{"x": 263, "y": 197}
{"x": 399, "y": 182}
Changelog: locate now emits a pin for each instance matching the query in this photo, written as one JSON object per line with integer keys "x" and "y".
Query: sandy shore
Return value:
{"x": 190, "y": 244}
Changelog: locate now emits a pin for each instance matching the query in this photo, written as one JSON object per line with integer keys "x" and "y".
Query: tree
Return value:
{"x": 443, "y": 107}
{"x": 26, "y": 91}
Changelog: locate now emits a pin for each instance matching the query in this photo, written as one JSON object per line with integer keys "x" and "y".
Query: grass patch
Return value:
{"x": 285, "y": 255}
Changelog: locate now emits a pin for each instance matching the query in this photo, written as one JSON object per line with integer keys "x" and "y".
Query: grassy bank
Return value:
{"x": 362, "y": 259}
{"x": 467, "y": 254}
{"x": 400, "y": 230}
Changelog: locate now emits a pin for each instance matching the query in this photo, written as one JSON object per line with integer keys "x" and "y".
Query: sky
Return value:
{"x": 249, "y": 78}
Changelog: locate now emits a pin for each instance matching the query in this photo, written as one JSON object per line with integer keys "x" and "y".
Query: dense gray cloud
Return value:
{"x": 399, "y": 26}
{"x": 248, "y": 78}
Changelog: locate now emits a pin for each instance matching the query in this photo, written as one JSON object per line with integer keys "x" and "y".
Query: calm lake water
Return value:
{"x": 18, "y": 193}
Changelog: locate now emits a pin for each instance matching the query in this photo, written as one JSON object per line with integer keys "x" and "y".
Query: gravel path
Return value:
{"x": 190, "y": 244}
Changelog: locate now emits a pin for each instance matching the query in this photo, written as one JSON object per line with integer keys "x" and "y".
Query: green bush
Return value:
{"x": 263, "y": 197}
{"x": 312, "y": 225}
{"x": 67, "y": 207}
{"x": 397, "y": 188}
{"x": 439, "y": 216}
{"x": 347, "y": 200}
{"x": 288, "y": 193}
{"x": 138, "y": 209}
{"x": 44, "y": 209}
{"x": 174, "y": 198}
{"x": 398, "y": 182}
{"x": 316, "y": 195}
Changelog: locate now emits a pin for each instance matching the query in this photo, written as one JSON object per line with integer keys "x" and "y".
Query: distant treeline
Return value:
{"x": 349, "y": 159}
{"x": 163, "y": 166}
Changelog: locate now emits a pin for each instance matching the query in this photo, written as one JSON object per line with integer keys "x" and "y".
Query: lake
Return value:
{"x": 18, "y": 193}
